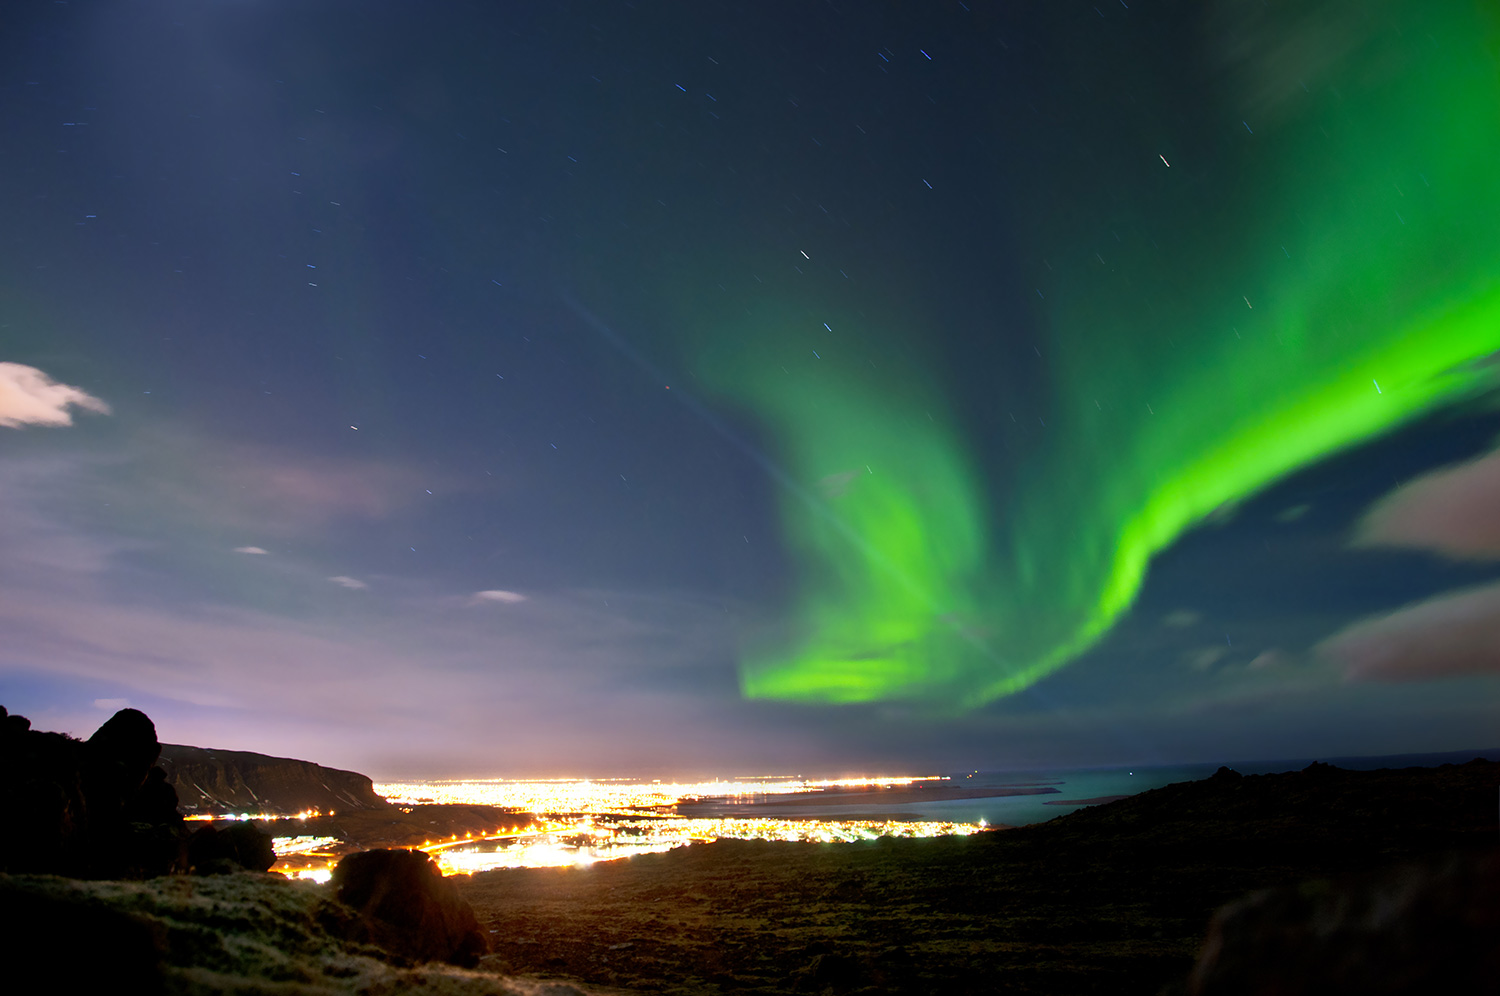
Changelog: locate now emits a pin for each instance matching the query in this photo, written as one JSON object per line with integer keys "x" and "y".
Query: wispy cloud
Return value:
{"x": 1456, "y": 633}
{"x": 250, "y": 549}
{"x": 30, "y": 397}
{"x": 413, "y": 682}
{"x": 348, "y": 582}
{"x": 277, "y": 491}
{"x": 1454, "y": 511}
{"x": 496, "y": 595}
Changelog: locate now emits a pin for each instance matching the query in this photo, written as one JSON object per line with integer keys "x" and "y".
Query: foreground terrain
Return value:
{"x": 1111, "y": 899}
{"x": 1115, "y": 898}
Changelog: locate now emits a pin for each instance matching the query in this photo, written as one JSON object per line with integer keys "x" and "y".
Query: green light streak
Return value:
{"x": 1357, "y": 285}
{"x": 889, "y": 535}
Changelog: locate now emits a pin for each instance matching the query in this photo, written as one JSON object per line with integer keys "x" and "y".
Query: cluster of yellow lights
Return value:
{"x": 583, "y": 795}
{"x": 306, "y": 814}
{"x": 590, "y": 841}
{"x": 819, "y": 831}
{"x": 301, "y": 845}
{"x": 554, "y": 843}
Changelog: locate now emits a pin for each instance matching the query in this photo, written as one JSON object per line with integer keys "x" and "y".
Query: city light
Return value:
{"x": 306, "y": 814}
{"x": 579, "y": 822}
{"x": 604, "y": 839}
{"x": 284, "y": 846}
{"x": 585, "y": 795}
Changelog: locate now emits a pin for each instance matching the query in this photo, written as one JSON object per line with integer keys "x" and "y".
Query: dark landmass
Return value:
{"x": 1097, "y": 801}
{"x": 412, "y": 826}
{"x": 236, "y": 781}
{"x": 1110, "y": 899}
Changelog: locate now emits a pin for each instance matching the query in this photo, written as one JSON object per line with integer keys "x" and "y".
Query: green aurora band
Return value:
{"x": 1357, "y": 290}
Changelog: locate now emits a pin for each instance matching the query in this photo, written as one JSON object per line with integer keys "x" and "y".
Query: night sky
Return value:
{"x": 523, "y": 389}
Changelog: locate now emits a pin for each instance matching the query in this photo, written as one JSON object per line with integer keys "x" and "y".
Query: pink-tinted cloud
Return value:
{"x": 324, "y": 488}
{"x": 277, "y": 492}
{"x": 30, "y": 397}
{"x": 1453, "y": 634}
{"x": 1455, "y": 511}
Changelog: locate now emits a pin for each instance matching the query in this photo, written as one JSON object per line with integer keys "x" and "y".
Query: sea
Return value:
{"x": 1075, "y": 788}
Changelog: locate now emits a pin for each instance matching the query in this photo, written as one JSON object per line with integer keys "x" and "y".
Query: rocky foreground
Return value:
{"x": 1324, "y": 881}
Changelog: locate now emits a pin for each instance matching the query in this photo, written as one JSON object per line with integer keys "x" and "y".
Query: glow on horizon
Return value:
{"x": 583, "y": 795}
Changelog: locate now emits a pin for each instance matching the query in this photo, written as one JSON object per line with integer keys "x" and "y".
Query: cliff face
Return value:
{"x": 232, "y": 781}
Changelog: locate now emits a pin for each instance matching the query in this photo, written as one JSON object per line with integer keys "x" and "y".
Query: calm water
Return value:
{"x": 1073, "y": 785}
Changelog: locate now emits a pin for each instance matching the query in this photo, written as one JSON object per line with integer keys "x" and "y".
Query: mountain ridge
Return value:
{"x": 211, "y": 781}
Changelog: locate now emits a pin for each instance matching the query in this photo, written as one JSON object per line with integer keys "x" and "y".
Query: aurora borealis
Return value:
{"x": 634, "y": 387}
{"x": 1323, "y": 307}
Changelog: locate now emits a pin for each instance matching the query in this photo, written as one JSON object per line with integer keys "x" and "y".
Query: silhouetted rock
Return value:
{"x": 408, "y": 907}
{"x": 122, "y": 751}
{"x": 89, "y": 809}
{"x": 236, "y": 781}
{"x": 237, "y": 847}
{"x": 1417, "y": 929}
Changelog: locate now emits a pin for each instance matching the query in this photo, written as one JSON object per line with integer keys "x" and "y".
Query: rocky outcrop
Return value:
{"x": 92, "y": 809}
{"x": 406, "y": 906}
{"x": 233, "y": 781}
{"x": 103, "y": 808}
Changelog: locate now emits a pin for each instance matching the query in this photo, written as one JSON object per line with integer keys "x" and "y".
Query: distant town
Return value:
{"x": 568, "y": 822}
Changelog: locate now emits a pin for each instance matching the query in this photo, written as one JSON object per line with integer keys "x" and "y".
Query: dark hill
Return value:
{"x": 234, "y": 781}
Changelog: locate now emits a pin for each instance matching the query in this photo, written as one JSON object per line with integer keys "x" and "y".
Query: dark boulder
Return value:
{"x": 407, "y": 907}
{"x": 121, "y": 752}
{"x": 1417, "y": 929}
{"x": 237, "y": 847}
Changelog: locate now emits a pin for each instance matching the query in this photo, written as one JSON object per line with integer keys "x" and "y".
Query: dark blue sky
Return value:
{"x": 402, "y": 314}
